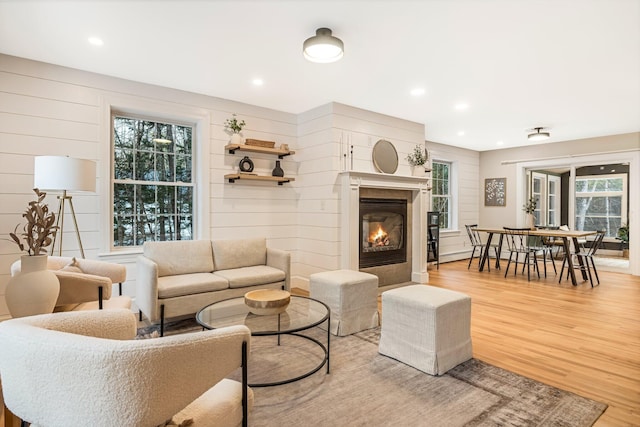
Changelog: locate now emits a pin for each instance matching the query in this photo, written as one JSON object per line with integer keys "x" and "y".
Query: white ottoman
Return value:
{"x": 426, "y": 327}
{"x": 352, "y": 297}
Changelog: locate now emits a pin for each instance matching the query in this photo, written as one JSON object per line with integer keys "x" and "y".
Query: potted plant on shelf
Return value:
{"x": 234, "y": 127}
{"x": 418, "y": 159}
{"x": 34, "y": 290}
{"x": 529, "y": 208}
{"x": 623, "y": 236}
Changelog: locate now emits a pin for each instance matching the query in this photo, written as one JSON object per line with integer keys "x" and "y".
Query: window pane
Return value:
{"x": 599, "y": 205}
{"x": 155, "y": 152}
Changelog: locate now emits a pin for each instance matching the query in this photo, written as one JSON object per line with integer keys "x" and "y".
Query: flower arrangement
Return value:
{"x": 530, "y": 206}
{"x": 418, "y": 157}
{"x": 39, "y": 230}
{"x": 234, "y": 125}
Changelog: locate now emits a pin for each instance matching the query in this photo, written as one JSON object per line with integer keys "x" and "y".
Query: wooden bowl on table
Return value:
{"x": 267, "y": 301}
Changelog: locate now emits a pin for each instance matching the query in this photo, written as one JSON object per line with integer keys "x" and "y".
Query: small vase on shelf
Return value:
{"x": 236, "y": 138}
{"x": 418, "y": 170}
{"x": 277, "y": 171}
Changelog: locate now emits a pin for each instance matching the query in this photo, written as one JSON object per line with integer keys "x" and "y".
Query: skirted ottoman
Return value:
{"x": 426, "y": 327}
{"x": 352, "y": 297}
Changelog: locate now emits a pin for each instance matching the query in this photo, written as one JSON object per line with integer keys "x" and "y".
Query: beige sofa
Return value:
{"x": 181, "y": 277}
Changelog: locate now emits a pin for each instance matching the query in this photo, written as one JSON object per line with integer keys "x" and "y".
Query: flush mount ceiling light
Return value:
{"x": 537, "y": 135}
{"x": 323, "y": 47}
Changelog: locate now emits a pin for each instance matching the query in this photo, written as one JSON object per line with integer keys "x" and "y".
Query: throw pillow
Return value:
{"x": 73, "y": 266}
{"x": 170, "y": 422}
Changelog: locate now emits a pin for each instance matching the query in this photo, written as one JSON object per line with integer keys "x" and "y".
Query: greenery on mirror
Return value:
{"x": 153, "y": 187}
{"x": 418, "y": 156}
{"x": 40, "y": 229}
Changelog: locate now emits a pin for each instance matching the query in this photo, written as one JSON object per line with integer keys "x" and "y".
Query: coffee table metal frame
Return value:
{"x": 279, "y": 332}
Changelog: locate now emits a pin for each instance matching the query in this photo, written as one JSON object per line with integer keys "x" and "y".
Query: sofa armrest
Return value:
{"x": 80, "y": 287}
{"x": 277, "y": 258}
{"x": 147, "y": 287}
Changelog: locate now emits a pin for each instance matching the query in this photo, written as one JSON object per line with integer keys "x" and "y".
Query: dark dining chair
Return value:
{"x": 476, "y": 243}
{"x": 519, "y": 241}
{"x": 586, "y": 256}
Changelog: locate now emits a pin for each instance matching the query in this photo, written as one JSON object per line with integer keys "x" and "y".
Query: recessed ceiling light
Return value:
{"x": 500, "y": 143}
{"x": 461, "y": 133}
{"x": 461, "y": 107}
{"x": 417, "y": 91}
{"x": 96, "y": 41}
{"x": 257, "y": 82}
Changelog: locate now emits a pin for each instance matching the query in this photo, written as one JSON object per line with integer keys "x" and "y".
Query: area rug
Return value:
{"x": 365, "y": 388}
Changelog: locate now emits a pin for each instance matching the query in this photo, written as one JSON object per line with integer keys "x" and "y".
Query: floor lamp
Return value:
{"x": 66, "y": 174}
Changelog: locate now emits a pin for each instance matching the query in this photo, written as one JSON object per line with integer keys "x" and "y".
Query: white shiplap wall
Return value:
{"x": 46, "y": 109}
{"x": 454, "y": 244}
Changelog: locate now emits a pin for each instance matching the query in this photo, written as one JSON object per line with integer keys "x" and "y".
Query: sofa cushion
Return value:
{"x": 189, "y": 284}
{"x": 230, "y": 254}
{"x": 250, "y": 276}
{"x": 180, "y": 257}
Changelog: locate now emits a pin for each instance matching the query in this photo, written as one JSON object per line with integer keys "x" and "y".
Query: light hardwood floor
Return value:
{"x": 581, "y": 339}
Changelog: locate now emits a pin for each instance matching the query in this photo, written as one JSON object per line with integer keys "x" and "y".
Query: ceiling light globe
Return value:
{"x": 538, "y": 136}
{"x": 323, "y": 47}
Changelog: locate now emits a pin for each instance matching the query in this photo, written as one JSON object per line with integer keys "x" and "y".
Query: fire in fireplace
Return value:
{"x": 383, "y": 231}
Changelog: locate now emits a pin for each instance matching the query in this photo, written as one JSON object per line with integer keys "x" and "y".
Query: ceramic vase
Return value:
{"x": 236, "y": 138}
{"x": 277, "y": 171}
{"x": 34, "y": 290}
{"x": 418, "y": 170}
{"x": 531, "y": 222}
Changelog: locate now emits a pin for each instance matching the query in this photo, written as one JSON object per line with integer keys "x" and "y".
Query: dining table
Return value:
{"x": 567, "y": 237}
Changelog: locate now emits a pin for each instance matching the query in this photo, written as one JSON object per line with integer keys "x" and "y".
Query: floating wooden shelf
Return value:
{"x": 232, "y": 177}
{"x": 232, "y": 148}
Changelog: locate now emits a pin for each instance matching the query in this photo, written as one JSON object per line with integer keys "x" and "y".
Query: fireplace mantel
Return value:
{"x": 351, "y": 182}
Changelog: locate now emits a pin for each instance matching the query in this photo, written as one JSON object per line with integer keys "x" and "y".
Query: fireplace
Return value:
{"x": 383, "y": 232}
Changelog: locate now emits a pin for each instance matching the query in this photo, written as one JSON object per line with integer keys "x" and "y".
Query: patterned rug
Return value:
{"x": 365, "y": 388}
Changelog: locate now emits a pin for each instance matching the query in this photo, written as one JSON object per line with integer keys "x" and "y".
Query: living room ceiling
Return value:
{"x": 572, "y": 66}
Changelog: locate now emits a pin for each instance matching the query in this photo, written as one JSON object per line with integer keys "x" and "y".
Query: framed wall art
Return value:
{"x": 495, "y": 191}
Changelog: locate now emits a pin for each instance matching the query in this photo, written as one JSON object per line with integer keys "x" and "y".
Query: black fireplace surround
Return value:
{"x": 383, "y": 232}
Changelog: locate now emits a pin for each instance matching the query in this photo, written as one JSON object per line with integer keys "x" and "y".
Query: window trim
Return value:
{"x": 452, "y": 196}
{"x": 155, "y": 110}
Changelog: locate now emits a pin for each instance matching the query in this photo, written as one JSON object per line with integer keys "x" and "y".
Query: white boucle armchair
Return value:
{"x": 85, "y": 369}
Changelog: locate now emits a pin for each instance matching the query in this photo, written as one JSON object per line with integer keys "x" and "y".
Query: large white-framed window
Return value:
{"x": 441, "y": 192}
{"x": 152, "y": 180}
{"x": 601, "y": 203}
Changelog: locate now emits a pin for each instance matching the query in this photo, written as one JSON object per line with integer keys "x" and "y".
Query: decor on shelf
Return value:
{"x": 323, "y": 47}
{"x": 277, "y": 171}
{"x": 62, "y": 173}
{"x": 495, "y": 192}
{"x": 264, "y": 302}
{"x": 418, "y": 159}
{"x": 234, "y": 126}
{"x": 246, "y": 164}
{"x": 529, "y": 208}
{"x": 260, "y": 143}
{"x": 35, "y": 290}
{"x": 623, "y": 236}
{"x": 537, "y": 135}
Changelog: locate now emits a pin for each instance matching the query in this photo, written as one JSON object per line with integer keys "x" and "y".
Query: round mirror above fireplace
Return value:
{"x": 385, "y": 156}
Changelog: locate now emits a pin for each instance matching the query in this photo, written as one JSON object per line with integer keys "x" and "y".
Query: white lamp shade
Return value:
{"x": 64, "y": 173}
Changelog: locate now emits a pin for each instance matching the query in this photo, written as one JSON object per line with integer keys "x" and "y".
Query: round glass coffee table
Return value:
{"x": 302, "y": 314}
